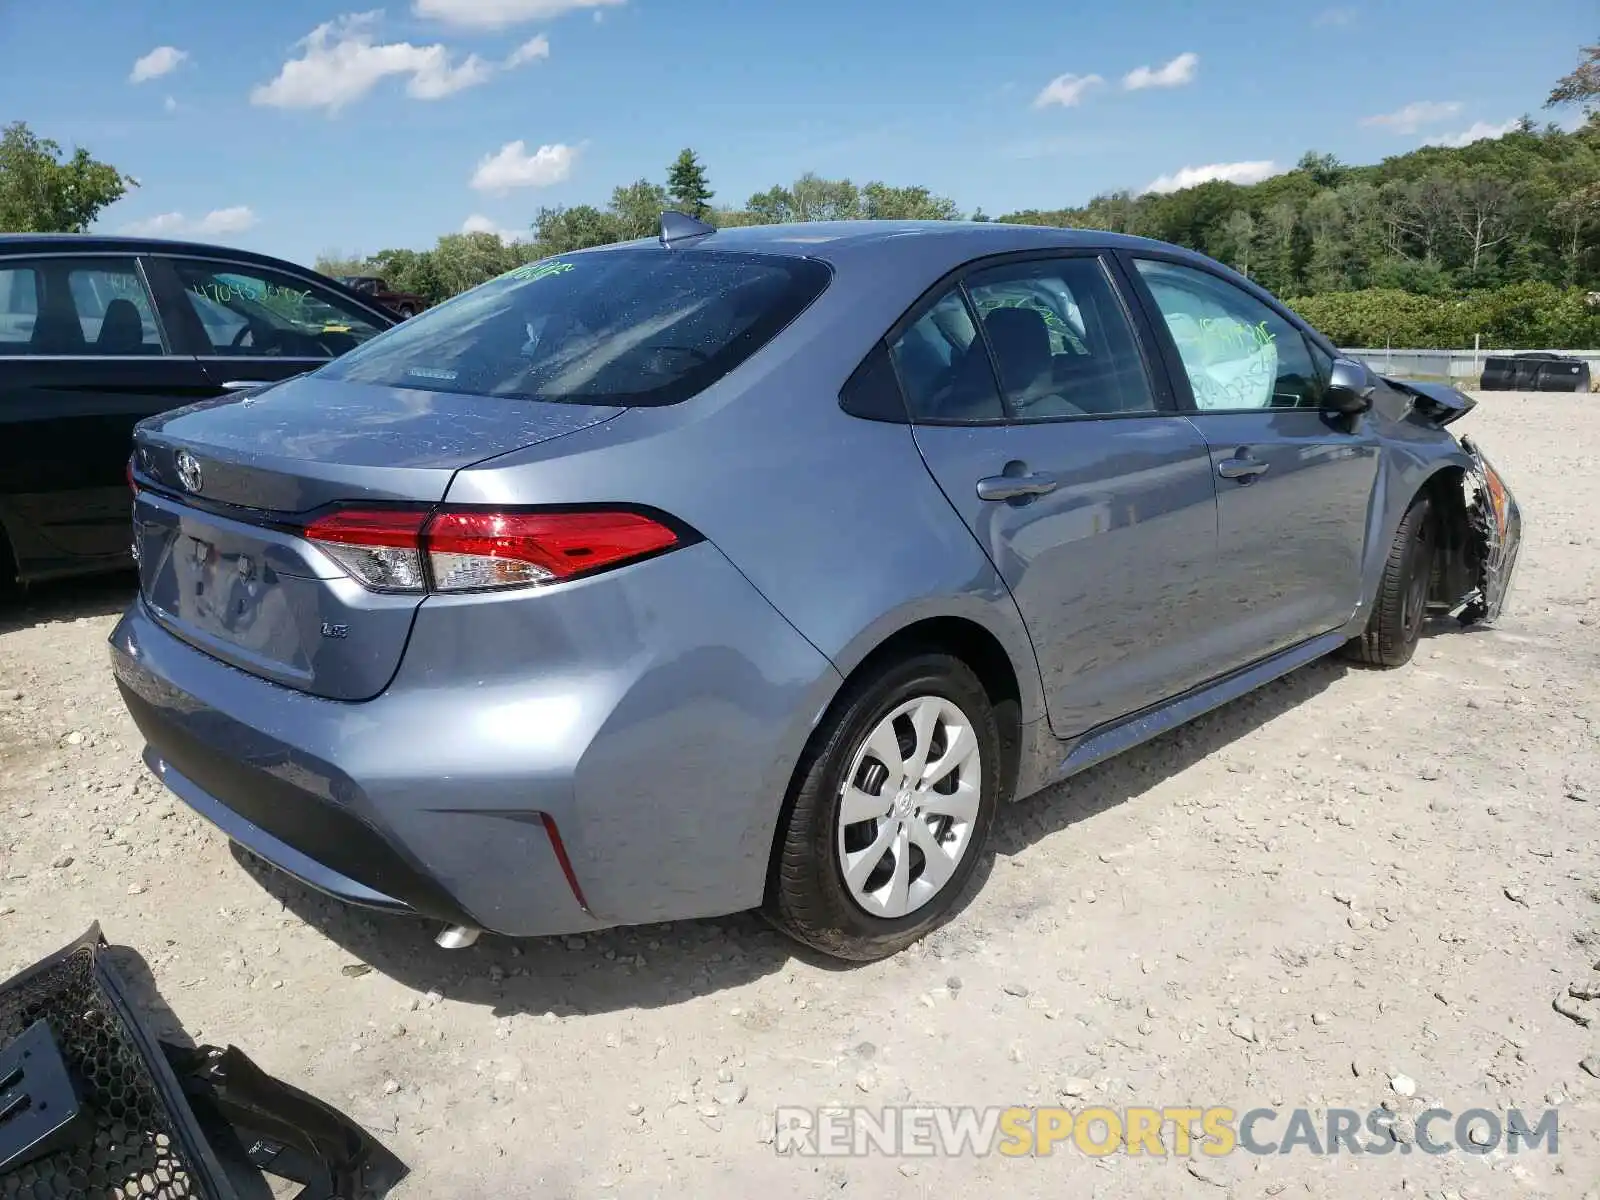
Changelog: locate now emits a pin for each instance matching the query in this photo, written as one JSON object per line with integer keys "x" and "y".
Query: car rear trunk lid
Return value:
{"x": 225, "y": 486}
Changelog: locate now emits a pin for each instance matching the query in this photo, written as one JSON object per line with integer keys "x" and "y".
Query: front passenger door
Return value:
{"x": 1294, "y": 485}
{"x": 1093, "y": 500}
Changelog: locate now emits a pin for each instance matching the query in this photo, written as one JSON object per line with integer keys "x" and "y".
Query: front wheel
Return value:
{"x": 890, "y": 812}
{"x": 1395, "y": 625}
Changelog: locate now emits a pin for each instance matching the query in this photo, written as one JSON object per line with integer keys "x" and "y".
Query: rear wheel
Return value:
{"x": 891, "y": 810}
{"x": 1395, "y": 625}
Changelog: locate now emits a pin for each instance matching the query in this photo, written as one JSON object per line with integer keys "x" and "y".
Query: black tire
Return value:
{"x": 1395, "y": 625}
{"x": 808, "y": 897}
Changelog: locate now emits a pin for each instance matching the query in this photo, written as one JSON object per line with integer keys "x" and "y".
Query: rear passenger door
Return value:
{"x": 255, "y": 324}
{"x": 83, "y": 358}
{"x": 1294, "y": 483}
{"x": 1035, "y": 409}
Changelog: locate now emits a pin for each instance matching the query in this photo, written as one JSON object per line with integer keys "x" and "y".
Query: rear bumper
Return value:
{"x": 652, "y": 716}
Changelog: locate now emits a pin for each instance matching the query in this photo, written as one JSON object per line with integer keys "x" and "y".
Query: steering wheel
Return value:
{"x": 238, "y": 338}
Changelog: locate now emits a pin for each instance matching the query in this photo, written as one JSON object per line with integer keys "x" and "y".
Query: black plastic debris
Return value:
{"x": 93, "y": 1105}
{"x": 39, "y": 1110}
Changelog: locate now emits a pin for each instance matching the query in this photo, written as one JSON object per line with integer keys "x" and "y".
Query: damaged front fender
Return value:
{"x": 1493, "y": 538}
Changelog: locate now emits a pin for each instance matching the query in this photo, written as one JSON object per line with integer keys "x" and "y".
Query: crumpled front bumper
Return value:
{"x": 1496, "y": 529}
{"x": 93, "y": 1105}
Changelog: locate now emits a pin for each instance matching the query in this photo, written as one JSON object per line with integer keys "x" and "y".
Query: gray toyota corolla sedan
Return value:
{"x": 758, "y": 567}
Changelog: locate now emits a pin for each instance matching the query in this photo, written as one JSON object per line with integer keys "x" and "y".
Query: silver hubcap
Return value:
{"x": 907, "y": 806}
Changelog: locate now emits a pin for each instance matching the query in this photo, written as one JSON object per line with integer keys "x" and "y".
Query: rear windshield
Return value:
{"x": 629, "y": 327}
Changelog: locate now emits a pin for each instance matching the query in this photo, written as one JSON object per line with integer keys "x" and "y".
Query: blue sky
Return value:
{"x": 298, "y": 126}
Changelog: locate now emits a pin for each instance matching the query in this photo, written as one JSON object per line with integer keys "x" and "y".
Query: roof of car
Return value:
{"x": 836, "y": 241}
{"x": 97, "y": 243}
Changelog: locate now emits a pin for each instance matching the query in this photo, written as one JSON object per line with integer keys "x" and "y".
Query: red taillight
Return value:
{"x": 468, "y": 550}
{"x": 473, "y": 550}
{"x": 381, "y": 547}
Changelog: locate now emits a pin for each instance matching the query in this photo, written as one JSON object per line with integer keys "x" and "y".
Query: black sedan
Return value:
{"x": 97, "y": 333}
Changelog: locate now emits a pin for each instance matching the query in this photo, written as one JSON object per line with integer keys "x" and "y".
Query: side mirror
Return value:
{"x": 1350, "y": 388}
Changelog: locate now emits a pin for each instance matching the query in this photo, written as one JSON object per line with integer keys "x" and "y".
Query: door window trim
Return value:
{"x": 1157, "y": 372}
{"x": 151, "y": 298}
{"x": 1183, "y": 391}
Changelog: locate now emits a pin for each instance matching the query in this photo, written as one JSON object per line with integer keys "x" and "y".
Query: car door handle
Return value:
{"x": 1011, "y": 487}
{"x": 1241, "y": 466}
{"x": 244, "y": 385}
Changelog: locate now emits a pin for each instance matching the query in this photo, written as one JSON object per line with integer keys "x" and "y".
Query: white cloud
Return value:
{"x": 1415, "y": 115}
{"x": 1066, "y": 90}
{"x": 514, "y": 167}
{"x": 1476, "y": 133}
{"x": 340, "y": 62}
{"x": 1173, "y": 74}
{"x": 160, "y": 61}
{"x": 501, "y": 14}
{"x": 1330, "y": 18}
{"x": 477, "y": 223}
{"x": 530, "y": 51}
{"x": 1234, "y": 172}
{"x": 217, "y": 222}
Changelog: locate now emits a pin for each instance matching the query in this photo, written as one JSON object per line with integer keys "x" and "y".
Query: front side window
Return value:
{"x": 632, "y": 327}
{"x": 259, "y": 313}
{"x": 1062, "y": 342}
{"x": 1237, "y": 352}
{"x": 943, "y": 367}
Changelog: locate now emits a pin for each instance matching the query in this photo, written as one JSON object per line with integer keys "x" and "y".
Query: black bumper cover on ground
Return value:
{"x": 152, "y": 1119}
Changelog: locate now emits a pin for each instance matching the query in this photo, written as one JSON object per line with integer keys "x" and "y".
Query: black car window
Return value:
{"x": 255, "y": 312}
{"x": 19, "y": 308}
{"x": 943, "y": 367}
{"x": 70, "y": 306}
{"x": 630, "y": 327}
{"x": 1063, "y": 344}
{"x": 114, "y": 312}
{"x": 1237, "y": 352}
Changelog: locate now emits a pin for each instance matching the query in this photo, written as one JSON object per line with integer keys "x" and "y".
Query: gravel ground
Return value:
{"x": 1348, "y": 877}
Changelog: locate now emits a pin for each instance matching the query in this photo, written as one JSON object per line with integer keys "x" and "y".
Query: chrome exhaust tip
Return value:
{"x": 456, "y": 937}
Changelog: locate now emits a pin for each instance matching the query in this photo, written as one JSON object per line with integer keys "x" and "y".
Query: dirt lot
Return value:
{"x": 1347, "y": 877}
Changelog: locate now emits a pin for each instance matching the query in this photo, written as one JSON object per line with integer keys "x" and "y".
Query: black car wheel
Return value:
{"x": 1395, "y": 625}
{"x": 890, "y": 811}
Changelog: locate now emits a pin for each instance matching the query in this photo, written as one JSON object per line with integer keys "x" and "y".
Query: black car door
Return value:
{"x": 256, "y": 324}
{"x": 83, "y": 357}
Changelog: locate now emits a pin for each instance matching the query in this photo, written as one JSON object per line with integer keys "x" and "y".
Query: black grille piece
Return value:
{"x": 133, "y": 1149}
{"x": 154, "y": 1121}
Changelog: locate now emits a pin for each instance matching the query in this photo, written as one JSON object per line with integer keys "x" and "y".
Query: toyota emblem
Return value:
{"x": 188, "y": 471}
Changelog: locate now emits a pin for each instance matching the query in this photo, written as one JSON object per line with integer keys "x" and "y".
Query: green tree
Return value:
{"x": 562, "y": 230}
{"x": 880, "y": 202}
{"x": 1239, "y": 239}
{"x": 42, "y": 193}
{"x": 688, "y": 186}
{"x": 333, "y": 262}
{"x": 1582, "y": 85}
{"x": 1325, "y": 169}
{"x": 636, "y": 209}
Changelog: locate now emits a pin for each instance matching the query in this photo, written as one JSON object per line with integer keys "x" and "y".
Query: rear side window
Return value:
{"x": 1062, "y": 342}
{"x": 944, "y": 368}
{"x": 633, "y": 327}
{"x": 114, "y": 314}
{"x": 19, "y": 308}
